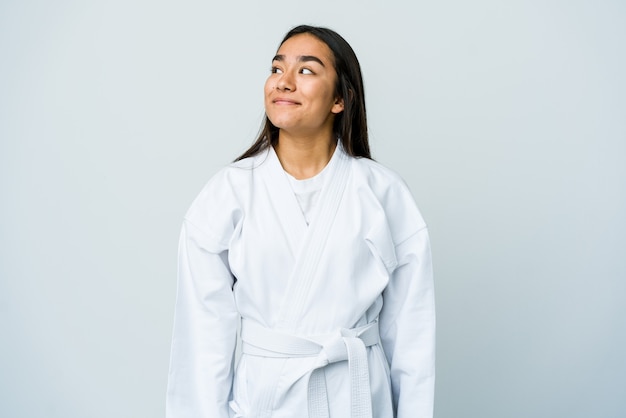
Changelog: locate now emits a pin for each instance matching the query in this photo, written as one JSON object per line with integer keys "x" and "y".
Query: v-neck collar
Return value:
{"x": 285, "y": 201}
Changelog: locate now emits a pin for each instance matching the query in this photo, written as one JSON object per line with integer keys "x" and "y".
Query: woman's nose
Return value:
{"x": 285, "y": 82}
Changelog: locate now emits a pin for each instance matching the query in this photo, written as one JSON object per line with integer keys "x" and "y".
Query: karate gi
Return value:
{"x": 337, "y": 317}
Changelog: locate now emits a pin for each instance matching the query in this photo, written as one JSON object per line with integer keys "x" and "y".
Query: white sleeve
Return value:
{"x": 407, "y": 326}
{"x": 205, "y": 327}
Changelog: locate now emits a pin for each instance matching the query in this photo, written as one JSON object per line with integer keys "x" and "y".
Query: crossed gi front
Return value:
{"x": 337, "y": 316}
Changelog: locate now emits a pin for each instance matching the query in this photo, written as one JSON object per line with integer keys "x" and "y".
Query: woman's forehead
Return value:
{"x": 305, "y": 44}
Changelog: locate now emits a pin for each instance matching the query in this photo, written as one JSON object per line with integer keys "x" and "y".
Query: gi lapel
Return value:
{"x": 284, "y": 202}
{"x": 314, "y": 242}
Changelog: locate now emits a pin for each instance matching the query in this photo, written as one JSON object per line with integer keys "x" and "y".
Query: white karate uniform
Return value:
{"x": 337, "y": 316}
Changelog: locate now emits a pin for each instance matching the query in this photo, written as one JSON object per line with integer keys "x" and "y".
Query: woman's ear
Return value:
{"x": 338, "y": 106}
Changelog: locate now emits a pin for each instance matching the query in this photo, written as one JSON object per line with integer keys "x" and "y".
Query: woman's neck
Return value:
{"x": 304, "y": 158}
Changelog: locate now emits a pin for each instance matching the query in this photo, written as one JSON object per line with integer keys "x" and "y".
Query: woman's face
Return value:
{"x": 300, "y": 92}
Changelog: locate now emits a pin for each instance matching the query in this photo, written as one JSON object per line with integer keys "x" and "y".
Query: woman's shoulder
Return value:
{"x": 376, "y": 168}
{"x": 233, "y": 177}
{"x": 219, "y": 202}
{"x": 378, "y": 176}
{"x": 392, "y": 193}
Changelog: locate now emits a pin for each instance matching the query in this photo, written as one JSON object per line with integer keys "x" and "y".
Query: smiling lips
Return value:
{"x": 283, "y": 101}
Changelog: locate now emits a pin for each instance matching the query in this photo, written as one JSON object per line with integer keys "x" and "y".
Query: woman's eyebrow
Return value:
{"x": 301, "y": 58}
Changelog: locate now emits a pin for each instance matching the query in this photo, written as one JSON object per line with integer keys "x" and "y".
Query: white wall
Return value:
{"x": 507, "y": 119}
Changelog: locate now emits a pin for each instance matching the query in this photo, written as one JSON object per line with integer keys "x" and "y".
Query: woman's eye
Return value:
{"x": 276, "y": 70}
{"x": 306, "y": 71}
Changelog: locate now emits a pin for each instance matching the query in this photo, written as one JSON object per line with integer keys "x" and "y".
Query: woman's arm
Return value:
{"x": 407, "y": 327}
{"x": 205, "y": 327}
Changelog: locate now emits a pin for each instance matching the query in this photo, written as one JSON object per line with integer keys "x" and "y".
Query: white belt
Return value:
{"x": 346, "y": 344}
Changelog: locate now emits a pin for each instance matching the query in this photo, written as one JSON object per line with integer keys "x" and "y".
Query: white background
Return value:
{"x": 506, "y": 118}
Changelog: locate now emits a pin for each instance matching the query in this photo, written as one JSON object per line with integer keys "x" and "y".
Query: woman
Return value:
{"x": 318, "y": 250}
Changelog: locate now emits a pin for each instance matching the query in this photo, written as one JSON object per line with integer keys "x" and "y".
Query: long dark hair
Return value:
{"x": 350, "y": 126}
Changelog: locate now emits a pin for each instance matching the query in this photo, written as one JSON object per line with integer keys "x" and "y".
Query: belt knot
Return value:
{"x": 348, "y": 344}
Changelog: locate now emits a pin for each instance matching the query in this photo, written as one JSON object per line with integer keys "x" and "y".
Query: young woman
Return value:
{"x": 319, "y": 251}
